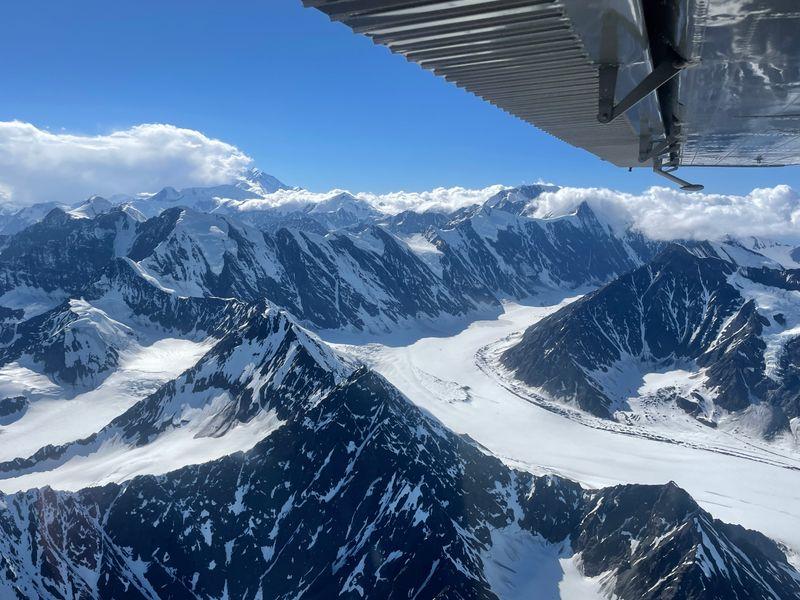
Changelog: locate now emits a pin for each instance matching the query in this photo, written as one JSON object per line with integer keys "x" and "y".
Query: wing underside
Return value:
{"x": 709, "y": 82}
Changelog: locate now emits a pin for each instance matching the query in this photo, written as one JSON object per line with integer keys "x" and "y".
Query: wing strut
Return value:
{"x": 661, "y": 20}
{"x": 608, "y": 111}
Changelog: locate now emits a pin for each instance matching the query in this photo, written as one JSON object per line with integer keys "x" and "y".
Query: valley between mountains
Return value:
{"x": 232, "y": 392}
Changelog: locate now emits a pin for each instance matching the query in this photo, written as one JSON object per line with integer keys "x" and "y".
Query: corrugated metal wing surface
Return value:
{"x": 538, "y": 60}
{"x": 520, "y": 55}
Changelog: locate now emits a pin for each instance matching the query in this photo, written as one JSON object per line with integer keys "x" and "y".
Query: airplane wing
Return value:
{"x": 636, "y": 82}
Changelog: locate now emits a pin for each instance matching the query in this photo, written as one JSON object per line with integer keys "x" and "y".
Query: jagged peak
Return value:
{"x": 341, "y": 201}
{"x": 519, "y": 200}
{"x": 56, "y": 216}
{"x": 167, "y": 194}
{"x": 92, "y": 207}
{"x": 257, "y": 181}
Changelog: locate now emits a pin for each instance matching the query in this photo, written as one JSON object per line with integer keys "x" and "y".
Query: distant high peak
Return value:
{"x": 342, "y": 200}
{"x": 92, "y": 207}
{"x": 518, "y": 200}
{"x": 168, "y": 194}
{"x": 260, "y": 182}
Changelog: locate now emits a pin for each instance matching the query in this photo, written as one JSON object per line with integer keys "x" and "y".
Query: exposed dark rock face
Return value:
{"x": 515, "y": 256}
{"x": 61, "y": 252}
{"x": 409, "y": 222}
{"x": 679, "y": 307}
{"x": 12, "y": 408}
{"x": 671, "y": 307}
{"x": 77, "y": 343}
{"x": 350, "y": 490}
{"x": 363, "y": 496}
{"x": 327, "y": 275}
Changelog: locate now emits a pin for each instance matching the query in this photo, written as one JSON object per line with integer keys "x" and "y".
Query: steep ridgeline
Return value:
{"x": 75, "y": 343}
{"x": 365, "y": 277}
{"x": 248, "y": 201}
{"x": 427, "y": 263}
{"x": 692, "y": 309}
{"x": 361, "y": 495}
{"x": 79, "y": 342}
{"x": 60, "y": 255}
{"x": 500, "y": 247}
{"x": 264, "y": 371}
{"x": 18, "y": 220}
{"x": 252, "y": 185}
{"x": 67, "y": 371}
{"x": 364, "y": 280}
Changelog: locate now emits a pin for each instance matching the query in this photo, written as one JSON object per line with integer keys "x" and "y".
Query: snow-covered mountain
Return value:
{"x": 19, "y": 219}
{"x": 366, "y": 279}
{"x": 94, "y": 206}
{"x": 173, "y": 425}
{"x": 264, "y": 371}
{"x": 253, "y": 184}
{"x": 714, "y": 331}
{"x": 361, "y": 495}
{"x": 354, "y": 268}
{"x": 513, "y": 255}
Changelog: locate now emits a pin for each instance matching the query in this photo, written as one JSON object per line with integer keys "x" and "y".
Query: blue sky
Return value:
{"x": 310, "y": 101}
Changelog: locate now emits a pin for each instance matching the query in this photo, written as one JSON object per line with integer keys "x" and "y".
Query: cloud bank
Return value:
{"x": 40, "y": 166}
{"x": 668, "y": 214}
{"x": 439, "y": 199}
{"x": 659, "y": 213}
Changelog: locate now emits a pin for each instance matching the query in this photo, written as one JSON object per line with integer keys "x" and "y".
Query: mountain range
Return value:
{"x": 176, "y": 427}
{"x": 717, "y": 325}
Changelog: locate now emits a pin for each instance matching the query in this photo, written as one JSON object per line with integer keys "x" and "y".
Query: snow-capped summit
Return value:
{"x": 343, "y": 210}
{"x": 260, "y": 183}
{"x": 708, "y": 328}
{"x": 264, "y": 370}
{"x": 373, "y": 498}
{"x": 252, "y": 185}
{"x": 21, "y": 218}
{"x": 92, "y": 207}
{"x": 163, "y": 349}
{"x": 519, "y": 200}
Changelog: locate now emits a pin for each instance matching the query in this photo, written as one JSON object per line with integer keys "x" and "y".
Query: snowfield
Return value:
{"x": 739, "y": 480}
{"x": 116, "y": 461}
{"x": 521, "y": 566}
{"x": 58, "y": 415}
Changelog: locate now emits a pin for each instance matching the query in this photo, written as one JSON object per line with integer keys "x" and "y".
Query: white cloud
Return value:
{"x": 664, "y": 213}
{"x": 439, "y": 199}
{"x": 40, "y": 166}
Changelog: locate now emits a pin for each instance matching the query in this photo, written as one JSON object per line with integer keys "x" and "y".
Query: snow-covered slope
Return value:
{"x": 693, "y": 328}
{"x": 362, "y": 280}
{"x": 361, "y": 495}
{"x": 453, "y": 376}
{"x": 252, "y": 184}
{"x": 94, "y": 206}
{"x": 514, "y": 255}
{"x": 19, "y": 219}
{"x": 84, "y": 362}
{"x": 63, "y": 253}
{"x": 76, "y": 343}
{"x": 261, "y": 373}
{"x": 161, "y": 349}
